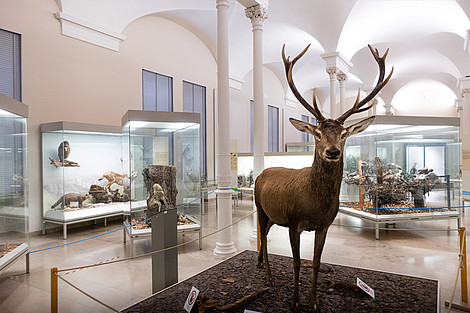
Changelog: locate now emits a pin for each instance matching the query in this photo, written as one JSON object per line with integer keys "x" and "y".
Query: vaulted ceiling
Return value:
{"x": 426, "y": 38}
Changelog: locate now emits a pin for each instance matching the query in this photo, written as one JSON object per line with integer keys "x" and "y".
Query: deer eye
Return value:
{"x": 317, "y": 134}
{"x": 344, "y": 134}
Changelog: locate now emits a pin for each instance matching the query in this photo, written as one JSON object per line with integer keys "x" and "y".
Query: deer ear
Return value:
{"x": 302, "y": 126}
{"x": 360, "y": 126}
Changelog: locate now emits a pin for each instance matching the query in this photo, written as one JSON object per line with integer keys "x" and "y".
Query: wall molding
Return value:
{"x": 235, "y": 83}
{"x": 85, "y": 31}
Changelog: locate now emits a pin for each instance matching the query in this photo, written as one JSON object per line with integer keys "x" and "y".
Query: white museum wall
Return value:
{"x": 67, "y": 79}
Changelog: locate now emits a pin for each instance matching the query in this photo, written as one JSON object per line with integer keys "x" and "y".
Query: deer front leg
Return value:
{"x": 320, "y": 236}
{"x": 294, "y": 236}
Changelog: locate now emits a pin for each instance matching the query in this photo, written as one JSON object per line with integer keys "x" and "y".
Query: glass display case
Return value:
{"x": 162, "y": 148}
{"x": 294, "y": 160}
{"x": 82, "y": 173}
{"x": 14, "y": 224}
{"x": 403, "y": 169}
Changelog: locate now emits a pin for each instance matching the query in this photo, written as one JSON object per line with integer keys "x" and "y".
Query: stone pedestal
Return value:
{"x": 164, "y": 264}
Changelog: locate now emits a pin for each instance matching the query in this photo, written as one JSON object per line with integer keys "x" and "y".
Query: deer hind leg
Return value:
{"x": 320, "y": 236}
{"x": 264, "y": 226}
{"x": 294, "y": 236}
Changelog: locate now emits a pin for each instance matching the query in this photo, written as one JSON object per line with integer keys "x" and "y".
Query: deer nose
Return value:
{"x": 333, "y": 153}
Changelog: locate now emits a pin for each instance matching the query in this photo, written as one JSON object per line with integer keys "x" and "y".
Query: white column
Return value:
{"x": 342, "y": 79}
{"x": 333, "y": 108}
{"x": 388, "y": 109}
{"x": 225, "y": 245}
{"x": 374, "y": 101}
{"x": 257, "y": 14}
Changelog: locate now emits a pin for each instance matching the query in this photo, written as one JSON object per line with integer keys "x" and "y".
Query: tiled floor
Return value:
{"x": 432, "y": 253}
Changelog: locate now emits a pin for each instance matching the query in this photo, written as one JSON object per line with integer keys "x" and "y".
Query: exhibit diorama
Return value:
{"x": 225, "y": 171}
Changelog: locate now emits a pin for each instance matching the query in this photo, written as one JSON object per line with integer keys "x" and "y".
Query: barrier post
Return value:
{"x": 463, "y": 270}
{"x": 54, "y": 291}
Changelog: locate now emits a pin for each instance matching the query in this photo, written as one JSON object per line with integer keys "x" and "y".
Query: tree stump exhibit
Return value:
{"x": 165, "y": 177}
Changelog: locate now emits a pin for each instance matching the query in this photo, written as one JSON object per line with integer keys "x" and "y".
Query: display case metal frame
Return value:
{"x": 21, "y": 110}
{"x": 92, "y": 214}
{"x": 388, "y": 219}
{"x": 160, "y": 117}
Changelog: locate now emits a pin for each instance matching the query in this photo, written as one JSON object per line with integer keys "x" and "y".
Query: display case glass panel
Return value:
{"x": 83, "y": 173}
{"x": 294, "y": 160}
{"x": 163, "y": 140}
{"x": 403, "y": 167}
{"x": 14, "y": 229}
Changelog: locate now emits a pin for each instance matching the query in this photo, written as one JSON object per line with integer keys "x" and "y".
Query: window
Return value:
{"x": 10, "y": 64}
{"x": 273, "y": 129}
{"x": 13, "y": 147}
{"x": 432, "y": 156}
{"x": 252, "y": 126}
{"x": 194, "y": 100}
{"x": 157, "y": 92}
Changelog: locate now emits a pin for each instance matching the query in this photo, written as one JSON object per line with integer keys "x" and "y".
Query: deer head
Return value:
{"x": 330, "y": 135}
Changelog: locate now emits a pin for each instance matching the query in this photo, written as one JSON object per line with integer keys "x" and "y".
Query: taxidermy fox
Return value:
{"x": 71, "y": 197}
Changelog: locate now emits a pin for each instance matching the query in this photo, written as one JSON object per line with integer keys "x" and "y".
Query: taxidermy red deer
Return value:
{"x": 308, "y": 198}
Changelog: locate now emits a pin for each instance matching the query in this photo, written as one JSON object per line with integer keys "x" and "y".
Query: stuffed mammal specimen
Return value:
{"x": 308, "y": 198}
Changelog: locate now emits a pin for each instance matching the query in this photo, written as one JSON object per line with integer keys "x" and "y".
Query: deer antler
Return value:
{"x": 289, "y": 65}
{"x": 380, "y": 84}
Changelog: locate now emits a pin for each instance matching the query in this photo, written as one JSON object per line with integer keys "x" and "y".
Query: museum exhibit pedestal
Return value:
{"x": 165, "y": 263}
{"x": 239, "y": 277}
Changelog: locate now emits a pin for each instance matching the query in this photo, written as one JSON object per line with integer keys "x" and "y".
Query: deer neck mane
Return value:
{"x": 326, "y": 174}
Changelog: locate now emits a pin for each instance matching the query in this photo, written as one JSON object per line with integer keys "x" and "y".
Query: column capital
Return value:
{"x": 257, "y": 14}
{"x": 342, "y": 77}
{"x": 331, "y": 70}
{"x": 465, "y": 92}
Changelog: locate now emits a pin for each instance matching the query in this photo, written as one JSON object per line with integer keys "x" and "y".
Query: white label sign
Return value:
{"x": 188, "y": 305}
{"x": 250, "y": 311}
{"x": 365, "y": 287}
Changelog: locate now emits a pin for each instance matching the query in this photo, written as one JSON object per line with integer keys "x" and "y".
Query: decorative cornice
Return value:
{"x": 338, "y": 60}
{"x": 85, "y": 31}
{"x": 235, "y": 83}
{"x": 291, "y": 103}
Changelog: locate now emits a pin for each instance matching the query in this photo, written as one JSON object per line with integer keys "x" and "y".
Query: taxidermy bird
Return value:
{"x": 64, "y": 150}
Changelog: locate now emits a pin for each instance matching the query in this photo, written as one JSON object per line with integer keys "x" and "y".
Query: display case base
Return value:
{"x": 14, "y": 255}
{"x": 131, "y": 233}
{"x": 78, "y": 216}
{"x": 239, "y": 277}
{"x": 394, "y": 218}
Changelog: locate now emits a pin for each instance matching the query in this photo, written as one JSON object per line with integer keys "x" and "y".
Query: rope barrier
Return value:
{"x": 161, "y": 250}
{"x": 86, "y": 294}
{"x": 56, "y": 272}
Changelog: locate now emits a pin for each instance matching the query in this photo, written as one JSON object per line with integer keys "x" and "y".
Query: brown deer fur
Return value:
{"x": 308, "y": 198}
